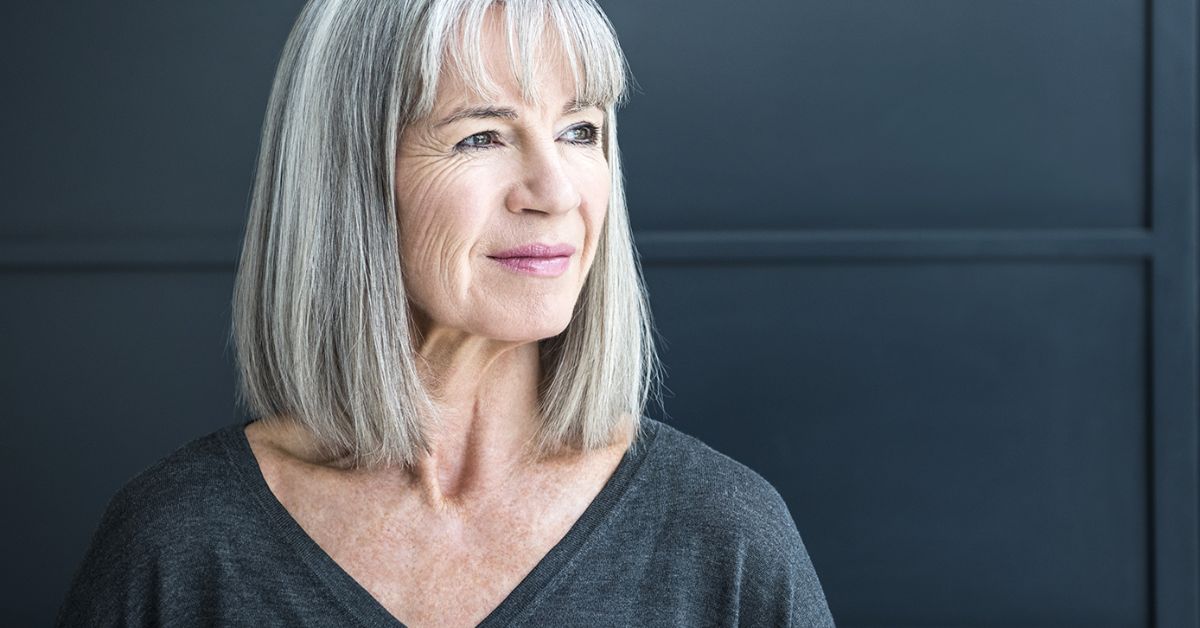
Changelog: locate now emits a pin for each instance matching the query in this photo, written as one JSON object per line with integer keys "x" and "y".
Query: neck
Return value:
{"x": 486, "y": 393}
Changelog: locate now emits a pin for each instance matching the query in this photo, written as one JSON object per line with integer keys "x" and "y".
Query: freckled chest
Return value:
{"x": 428, "y": 568}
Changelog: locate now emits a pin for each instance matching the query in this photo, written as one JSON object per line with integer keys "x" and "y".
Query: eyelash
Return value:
{"x": 593, "y": 138}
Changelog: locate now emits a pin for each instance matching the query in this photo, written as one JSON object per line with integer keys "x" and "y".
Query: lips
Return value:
{"x": 536, "y": 250}
{"x": 537, "y": 259}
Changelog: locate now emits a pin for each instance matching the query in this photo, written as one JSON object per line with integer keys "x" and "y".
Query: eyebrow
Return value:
{"x": 504, "y": 113}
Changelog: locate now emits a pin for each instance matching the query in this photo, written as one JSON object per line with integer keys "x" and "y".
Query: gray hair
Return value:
{"x": 322, "y": 329}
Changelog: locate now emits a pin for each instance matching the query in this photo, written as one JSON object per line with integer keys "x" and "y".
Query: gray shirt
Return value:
{"x": 680, "y": 535}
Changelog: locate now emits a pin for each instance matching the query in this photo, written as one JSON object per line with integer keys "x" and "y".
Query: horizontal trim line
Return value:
{"x": 667, "y": 246}
{"x": 654, "y": 246}
{"x": 77, "y": 251}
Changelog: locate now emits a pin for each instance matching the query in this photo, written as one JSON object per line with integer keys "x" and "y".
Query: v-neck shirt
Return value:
{"x": 680, "y": 534}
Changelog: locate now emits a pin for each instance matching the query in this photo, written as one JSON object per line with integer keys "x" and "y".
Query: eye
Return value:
{"x": 481, "y": 140}
{"x": 585, "y": 133}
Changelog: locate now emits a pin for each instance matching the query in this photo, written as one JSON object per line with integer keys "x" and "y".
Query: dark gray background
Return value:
{"x": 929, "y": 266}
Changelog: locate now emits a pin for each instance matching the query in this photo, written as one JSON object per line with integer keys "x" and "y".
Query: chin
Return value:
{"x": 513, "y": 327}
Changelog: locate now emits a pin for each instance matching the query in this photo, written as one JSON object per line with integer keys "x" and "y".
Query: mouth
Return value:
{"x": 536, "y": 266}
{"x": 538, "y": 260}
{"x": 536, "y": 249}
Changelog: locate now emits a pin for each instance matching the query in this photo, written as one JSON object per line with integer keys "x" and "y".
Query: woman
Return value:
{"x": 440, "y": 320}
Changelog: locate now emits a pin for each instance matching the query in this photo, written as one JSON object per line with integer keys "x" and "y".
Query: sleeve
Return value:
{"x": 149, "y": 562}
{"x": 114, "y": 584}
{"x": 779, "y": 585}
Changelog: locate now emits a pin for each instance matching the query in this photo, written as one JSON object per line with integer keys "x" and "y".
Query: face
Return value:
{"x": 479, "y": 181}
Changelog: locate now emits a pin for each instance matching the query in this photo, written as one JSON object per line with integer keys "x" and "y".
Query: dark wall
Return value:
{"x": 929, "y": 267}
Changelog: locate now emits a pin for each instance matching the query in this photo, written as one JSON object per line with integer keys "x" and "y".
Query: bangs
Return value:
{"x": 583, "y": 36}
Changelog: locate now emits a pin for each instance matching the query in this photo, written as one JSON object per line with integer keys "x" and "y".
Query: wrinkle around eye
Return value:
{"x": 421, "y": 143}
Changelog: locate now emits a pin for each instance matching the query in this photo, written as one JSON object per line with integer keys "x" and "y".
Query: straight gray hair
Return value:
{"x": 321, "y": 328}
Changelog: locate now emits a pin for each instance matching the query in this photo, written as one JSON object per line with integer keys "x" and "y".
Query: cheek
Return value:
{"x": 439, "y": 226}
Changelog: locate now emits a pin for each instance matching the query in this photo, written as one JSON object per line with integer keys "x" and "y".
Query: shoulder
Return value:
{"x": 721, "y": 510}
{"x": 185, "y": 488}
{"x": 162, "y": 526}
{"x": 704, "y": 482}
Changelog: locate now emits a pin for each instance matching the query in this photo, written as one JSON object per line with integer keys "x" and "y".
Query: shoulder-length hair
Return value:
{"x": 322, "y": 329}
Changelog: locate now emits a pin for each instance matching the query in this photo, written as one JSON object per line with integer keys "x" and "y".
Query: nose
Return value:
{"x": 544, "y": 183}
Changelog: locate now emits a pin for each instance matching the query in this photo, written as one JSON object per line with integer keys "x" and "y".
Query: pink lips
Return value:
{"x": 541, "y": 260}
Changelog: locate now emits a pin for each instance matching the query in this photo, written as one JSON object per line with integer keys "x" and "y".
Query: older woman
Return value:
{"x": 440, "y": 321}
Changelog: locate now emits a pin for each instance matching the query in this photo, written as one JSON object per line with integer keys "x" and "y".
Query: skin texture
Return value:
{"x": 444, "y": 543}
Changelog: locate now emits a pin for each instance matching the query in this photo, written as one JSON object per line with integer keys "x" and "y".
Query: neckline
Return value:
{"x": 358, "y": 602}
